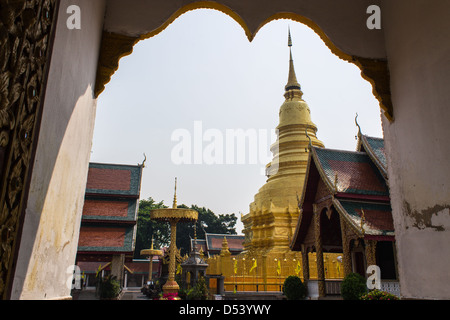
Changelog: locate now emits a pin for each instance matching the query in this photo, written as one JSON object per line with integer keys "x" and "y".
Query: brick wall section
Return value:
{"x": 109, "y": 179}
{"x": 105, "y": 208}
{"x": 101, "y": 237}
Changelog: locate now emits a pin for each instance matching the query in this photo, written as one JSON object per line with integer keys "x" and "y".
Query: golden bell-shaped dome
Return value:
{"x": 273, "y": 215}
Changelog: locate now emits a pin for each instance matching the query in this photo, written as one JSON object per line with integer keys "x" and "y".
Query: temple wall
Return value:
{"x": 52, "y": 221}
{"x": 417, "y": 143}
{"x": 340, "y": 20}
{"x": 236, "y": 270}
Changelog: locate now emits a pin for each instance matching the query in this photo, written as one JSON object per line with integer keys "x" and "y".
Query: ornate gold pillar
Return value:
{"x": 346, "y": 259}
{"x": 319, "y": 255}
{"x": 305, "y": 263}
{"x": 370, "y": 251}
{"x": 171, "y": 285}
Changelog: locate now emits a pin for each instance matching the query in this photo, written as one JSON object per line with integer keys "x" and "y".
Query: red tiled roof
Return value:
{"x": 352, "y": 172}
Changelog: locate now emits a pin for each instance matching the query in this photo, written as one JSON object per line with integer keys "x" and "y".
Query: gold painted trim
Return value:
{"x": 174, "y": 214}
{"x": 115, "y": 46}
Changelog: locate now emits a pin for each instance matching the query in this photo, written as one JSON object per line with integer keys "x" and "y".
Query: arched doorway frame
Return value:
{"x": 114, "y": 46}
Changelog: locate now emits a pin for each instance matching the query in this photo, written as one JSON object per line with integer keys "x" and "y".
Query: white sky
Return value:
{"x": 203, "y": 68}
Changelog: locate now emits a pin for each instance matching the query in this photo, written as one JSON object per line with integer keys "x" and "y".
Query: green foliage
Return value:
{"x": 152, "y": 290}
{"x": 109, "y": 287}
{"x": 207, "y": 221}
{"x": 199, "y": 291}
{"x": 146, "y": 228}
{"x": 379, "y": 295}
{"x": 293, "y": 288}
{"x": 353, "y": 287}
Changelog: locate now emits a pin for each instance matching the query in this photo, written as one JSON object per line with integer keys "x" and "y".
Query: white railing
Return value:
{"x": 391, "y": 286}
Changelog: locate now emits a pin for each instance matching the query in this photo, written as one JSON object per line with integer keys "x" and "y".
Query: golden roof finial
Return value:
{"x": 359, "y": 128}
{"x": 363, "y": 221}
{"x": 174, "y": 206}
{"x": 292, "y": 79}
{"x": 289, "y": 37}
{"x": 143, "y": 162}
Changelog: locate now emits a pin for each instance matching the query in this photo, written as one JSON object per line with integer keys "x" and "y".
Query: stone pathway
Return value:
{"x": 130, "y": 294}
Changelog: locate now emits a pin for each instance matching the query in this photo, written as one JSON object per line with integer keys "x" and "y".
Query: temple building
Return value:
{"x": 108, "y": 224}
{"x": 212, "y": 244}
{"x": 345, "y": 207}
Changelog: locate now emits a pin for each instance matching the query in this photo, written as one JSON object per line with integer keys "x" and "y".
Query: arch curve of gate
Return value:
{"x": 114, "y": 46}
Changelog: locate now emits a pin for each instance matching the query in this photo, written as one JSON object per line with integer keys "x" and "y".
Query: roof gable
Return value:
{"x": 374, "y": 147}
{"x": 214, "y": 242}
{"x": 349, "y": 172}
{"x": 373, "y": 219}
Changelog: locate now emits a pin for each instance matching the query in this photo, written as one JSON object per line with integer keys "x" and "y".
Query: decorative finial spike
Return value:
{"x": 143, "y": 162}
{"x": 363, "y": 221}
{"x": 309, "y": 138}
{"x": 292, "y": 83}
{"x": 174, "y": 206}
{"x": 356, "y": 122}
{"x": 289, "y": 37}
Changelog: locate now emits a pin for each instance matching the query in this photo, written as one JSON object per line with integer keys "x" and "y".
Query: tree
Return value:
{"x": 207, "y": 221}
{"x": 147, "y": 228}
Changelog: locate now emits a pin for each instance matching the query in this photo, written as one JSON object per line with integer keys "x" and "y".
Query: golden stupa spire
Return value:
{"x": 174, "y": 206}
{"x": 292, "y": 79}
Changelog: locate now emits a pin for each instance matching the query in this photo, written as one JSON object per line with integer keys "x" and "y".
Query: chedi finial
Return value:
{"x": 174, "y": 206}
{"x": 292, "y": 83}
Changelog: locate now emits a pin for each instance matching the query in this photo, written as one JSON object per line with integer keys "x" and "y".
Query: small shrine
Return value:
{"x": 194, "y": 267}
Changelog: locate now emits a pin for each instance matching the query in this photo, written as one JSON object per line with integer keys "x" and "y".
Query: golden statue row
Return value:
{"x": 253, "y": 272}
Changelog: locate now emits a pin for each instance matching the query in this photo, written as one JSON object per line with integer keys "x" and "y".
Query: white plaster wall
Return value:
{"x": 343, "y": 21}
{"x": 52, "y": 221}
{"x": 417, "y": 36}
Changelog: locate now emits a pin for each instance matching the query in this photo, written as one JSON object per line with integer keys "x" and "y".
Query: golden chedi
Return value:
{"x": 271, "y": 222}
